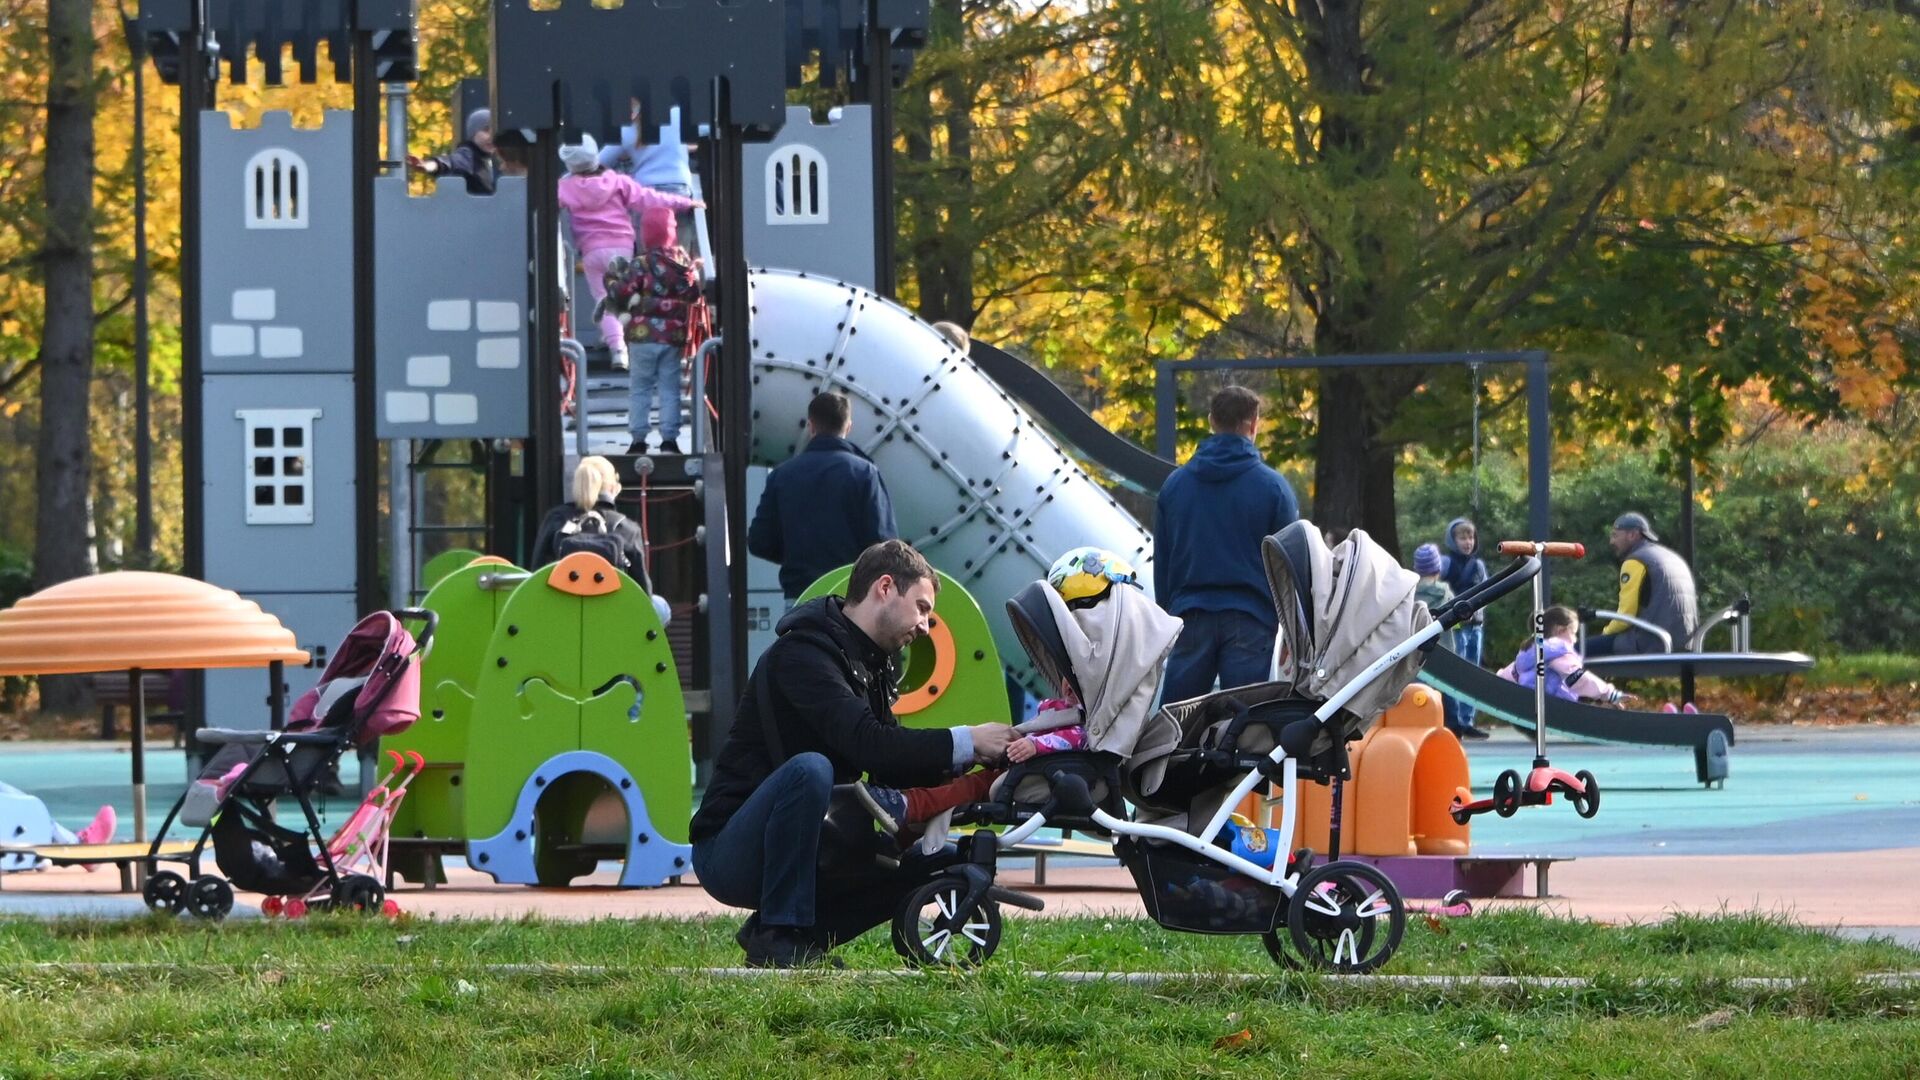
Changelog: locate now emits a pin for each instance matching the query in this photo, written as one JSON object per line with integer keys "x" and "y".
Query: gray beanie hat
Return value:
{"x": 479, "y": 120}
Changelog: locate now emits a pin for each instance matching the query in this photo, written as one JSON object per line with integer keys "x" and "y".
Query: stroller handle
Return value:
{"x": 423, "y": 643}
{"x": 1462, "y": 607}
{"x": 1559, "y": 549}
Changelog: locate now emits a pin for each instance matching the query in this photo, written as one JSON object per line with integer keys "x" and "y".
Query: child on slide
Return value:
{"x": 900, "y": 810}
{"x": 98, "y": 831}
{"x": 1567, "y": 676}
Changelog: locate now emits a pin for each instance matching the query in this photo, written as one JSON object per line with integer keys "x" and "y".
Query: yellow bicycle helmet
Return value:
{"x": 1085, "y": 575}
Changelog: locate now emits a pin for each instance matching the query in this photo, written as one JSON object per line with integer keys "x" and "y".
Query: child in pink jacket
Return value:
{"x": 602, "y": 204}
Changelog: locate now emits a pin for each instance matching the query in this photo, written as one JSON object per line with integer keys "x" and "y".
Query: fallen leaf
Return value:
{"x": 1713, "y": 1021}
{"x": 1436, "y": 924}
{"x": 1235, "y": 1041}
{"x": 273, "y": 978}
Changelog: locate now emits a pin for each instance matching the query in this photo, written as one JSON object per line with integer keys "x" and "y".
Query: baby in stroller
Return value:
{"x": 1084, "y": 578}
{"x": 370, "y": 688}
{"x": 1354, "y": 637}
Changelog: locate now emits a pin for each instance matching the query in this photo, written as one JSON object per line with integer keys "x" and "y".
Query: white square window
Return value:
{"x": 277, "y": 465}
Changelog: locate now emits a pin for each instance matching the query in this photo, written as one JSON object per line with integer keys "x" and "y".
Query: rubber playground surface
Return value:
{"x": 1821, "y": 823}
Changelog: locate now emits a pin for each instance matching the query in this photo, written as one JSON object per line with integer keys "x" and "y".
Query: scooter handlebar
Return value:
{"x": 1558, "y": 549}
{"x": 1462, "y": 607}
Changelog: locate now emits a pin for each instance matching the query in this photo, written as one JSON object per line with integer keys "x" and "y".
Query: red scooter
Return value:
{"x": 1510, "y": 792}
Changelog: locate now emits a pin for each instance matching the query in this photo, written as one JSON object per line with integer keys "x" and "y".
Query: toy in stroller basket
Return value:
{"x": 370, "y": 688}
{"x": 1354, "y": 639}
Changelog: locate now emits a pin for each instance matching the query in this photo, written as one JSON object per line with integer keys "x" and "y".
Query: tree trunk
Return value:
{"x": 956, "y": 253}
{"x": 63, "y": 523}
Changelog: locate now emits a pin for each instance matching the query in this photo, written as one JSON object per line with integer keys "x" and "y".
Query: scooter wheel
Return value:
{"x": 272, "y": 906}
{"x": 296, "y": 909}
{"x": 1587, "y": 803}
{"x": 1459, "y": 812}
{"x": 1506, "y": 793}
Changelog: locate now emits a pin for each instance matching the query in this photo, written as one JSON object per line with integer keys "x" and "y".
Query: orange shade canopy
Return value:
{"x": 136, "y": 619}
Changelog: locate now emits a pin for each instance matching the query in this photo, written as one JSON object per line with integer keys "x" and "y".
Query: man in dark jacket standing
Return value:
{"x": 825, "y": 505}
{"x": 819, "y": 712}
{"x": 1207, "y": 526}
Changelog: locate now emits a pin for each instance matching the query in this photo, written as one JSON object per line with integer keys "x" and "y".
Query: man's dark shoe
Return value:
{"x": 638, "y": 447}
{"x": 1470, "y": 733}
{"x": 744, "y": 936}
{"x": 671, "y": 446}
{"x": 886, "y": 804}
{"x": 786, "y": 947}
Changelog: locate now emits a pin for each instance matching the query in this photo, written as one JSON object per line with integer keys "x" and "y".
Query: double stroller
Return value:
{"x": 370, "y": 688}
{"x": 1352, "y": 638}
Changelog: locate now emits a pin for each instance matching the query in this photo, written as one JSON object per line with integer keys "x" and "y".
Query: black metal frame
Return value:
{"x": 1539, "y": 426}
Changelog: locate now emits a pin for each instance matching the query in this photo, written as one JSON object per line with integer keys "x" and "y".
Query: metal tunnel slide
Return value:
{"x": 1708, "y": 735}
{"x": 978, "y": 485}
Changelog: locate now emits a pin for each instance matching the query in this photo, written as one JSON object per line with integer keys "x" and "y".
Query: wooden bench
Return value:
{"x": 111, "y": 690}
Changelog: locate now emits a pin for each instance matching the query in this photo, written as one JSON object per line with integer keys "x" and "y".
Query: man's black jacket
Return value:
{"x": 837, "y": 702}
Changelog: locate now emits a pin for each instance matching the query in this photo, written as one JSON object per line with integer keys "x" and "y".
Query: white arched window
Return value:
{"x": 276, "y": 190}
{"x": 796, "y": 186}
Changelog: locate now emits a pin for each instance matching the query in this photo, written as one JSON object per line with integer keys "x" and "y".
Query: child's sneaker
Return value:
{"x": 1689, "y": 709}
{"x": 887, "y": 805}
{"x": 620, "y": 361}
{"x": 100, "y": 829}
{"x": 1669, "y": 708}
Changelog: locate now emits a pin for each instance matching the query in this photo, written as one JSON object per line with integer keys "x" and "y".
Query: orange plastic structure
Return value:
{"x": 136, "y": 619}
{"x": 1404, "y": 775}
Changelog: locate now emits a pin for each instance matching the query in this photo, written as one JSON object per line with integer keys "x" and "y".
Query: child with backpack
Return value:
{"x": 590, "y": 523}
{"x": 657, "y": 298}
{"x": 600, "y": 204}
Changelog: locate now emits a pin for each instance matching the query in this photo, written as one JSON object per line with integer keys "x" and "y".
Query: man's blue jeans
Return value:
{"x": 1231, "y": 646}
{"x": 1469, "y": 640}
{"x": 766, "y": 859}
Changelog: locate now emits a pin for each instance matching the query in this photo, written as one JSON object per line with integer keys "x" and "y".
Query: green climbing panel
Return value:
{"x": 433, "y": 806}
{"x": 952, "y": 676}
{"x": 560, "y": 674}
{"x": 445, "y": 563}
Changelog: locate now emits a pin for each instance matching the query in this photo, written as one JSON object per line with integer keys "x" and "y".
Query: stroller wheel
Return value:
{"x": 1346, "y": 917}
{"x": 1276, "y": 944}
{"x": 358, "y": 892}
{"x": 926, "y": 933}
{"x": 1506, "y": 793}
{"x": 210, "y": 898}
{"x": 165, "y": 892}
{"x": 1587, "y": 803}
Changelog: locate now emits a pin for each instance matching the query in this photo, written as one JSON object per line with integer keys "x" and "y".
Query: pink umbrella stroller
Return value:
{"x": 370, "y": 688}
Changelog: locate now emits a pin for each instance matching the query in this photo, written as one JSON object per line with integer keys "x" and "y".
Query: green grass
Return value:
{"x": 1884, "y": 670}
{"x": 348, "y": 997}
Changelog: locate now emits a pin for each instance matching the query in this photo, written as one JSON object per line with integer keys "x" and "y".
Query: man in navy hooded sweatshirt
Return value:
{"x": 1207, "y": 527}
